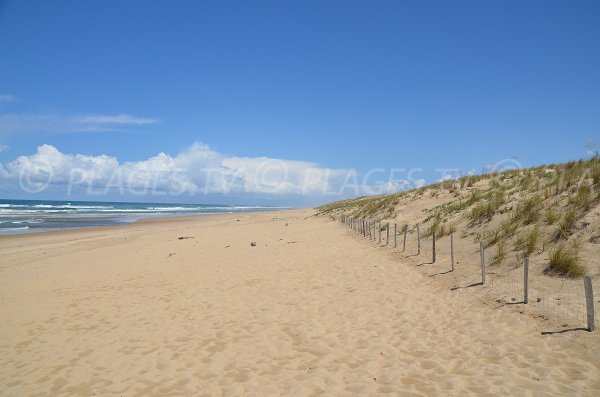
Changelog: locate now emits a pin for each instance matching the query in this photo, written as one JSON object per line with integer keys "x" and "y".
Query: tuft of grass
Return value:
{"x": 486, "y": 207}
{"x": 583, "y": 198}
{"x": 527, "y": 241}
{"x": 500, "y": 253}
{"x": 550, "y": 216}
{"x": 451, "y": 229}
{"x": 440, "y": 229}
{"x": 567, "y": 224}
{"x": 528, "y": 211}
{"x": 565, "y": 261}
{"x": 508, "y": 228}
{"x": 489, "y": 237}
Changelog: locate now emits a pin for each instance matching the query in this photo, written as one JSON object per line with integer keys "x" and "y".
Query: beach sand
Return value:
{"x": 310, "y": 310}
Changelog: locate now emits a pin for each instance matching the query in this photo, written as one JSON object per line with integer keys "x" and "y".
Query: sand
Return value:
{"x": 310, "y": 310}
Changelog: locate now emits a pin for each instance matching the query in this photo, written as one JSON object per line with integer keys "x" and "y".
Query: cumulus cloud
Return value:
{"x": 196, "y": 170}
{"x": 14, "y": 123}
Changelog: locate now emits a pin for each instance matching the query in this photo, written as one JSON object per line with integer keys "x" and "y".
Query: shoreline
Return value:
{"x": 140, "y": 221}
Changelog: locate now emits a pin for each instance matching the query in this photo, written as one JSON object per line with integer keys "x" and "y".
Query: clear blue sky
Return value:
{"x": 344, "y": 84}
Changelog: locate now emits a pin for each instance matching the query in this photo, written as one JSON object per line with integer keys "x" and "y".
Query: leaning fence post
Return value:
{"x": 404, "y": 242}
{"x": 482, "y": 259}
{"x": 589, "y": 302}
{"x": 395, "y": 235}
{"x": 526, "y": 280}
{"x": 379, "y": 232}
{"x": 418, "y": 240}
{"x": 433, "y": 247}
{"x": 452, "y": 250}
{"x": 387, "y": 233}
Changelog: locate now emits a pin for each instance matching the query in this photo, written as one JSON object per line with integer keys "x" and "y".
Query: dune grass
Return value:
{"x": 564, "y": 261}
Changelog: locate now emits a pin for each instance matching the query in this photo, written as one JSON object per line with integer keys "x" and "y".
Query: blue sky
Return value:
{"x": 330, "y": 85}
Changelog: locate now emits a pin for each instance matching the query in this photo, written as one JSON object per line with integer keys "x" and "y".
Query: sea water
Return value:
{"x": 29, "y": 216}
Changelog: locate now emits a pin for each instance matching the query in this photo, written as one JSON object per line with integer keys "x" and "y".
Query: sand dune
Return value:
{"x": 135, "y": 311}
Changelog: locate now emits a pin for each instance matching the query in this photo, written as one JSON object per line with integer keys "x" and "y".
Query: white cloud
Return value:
{"x": 122, "y": 119}
{"x": 196, "y": 170}
{"x": 4, "y": 148}
{"x": 19, "y": 123}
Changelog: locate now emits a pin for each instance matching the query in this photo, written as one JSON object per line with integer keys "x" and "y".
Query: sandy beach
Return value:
{"x": 310, "y": 310}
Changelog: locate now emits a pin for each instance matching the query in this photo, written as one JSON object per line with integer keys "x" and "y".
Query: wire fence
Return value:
{"x": 513, "y": 282}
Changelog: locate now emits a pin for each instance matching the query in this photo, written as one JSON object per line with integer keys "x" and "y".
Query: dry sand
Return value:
{"x": 311, "y": 310}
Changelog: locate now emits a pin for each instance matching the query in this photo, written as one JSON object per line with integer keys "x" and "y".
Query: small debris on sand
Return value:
{"x": 184, "y": 237}
{"x": 253, "y": 243}
{"x": 171, "y": 254}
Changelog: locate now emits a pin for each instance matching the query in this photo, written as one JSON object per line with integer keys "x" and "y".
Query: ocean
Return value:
{"x": 30, "y": 216}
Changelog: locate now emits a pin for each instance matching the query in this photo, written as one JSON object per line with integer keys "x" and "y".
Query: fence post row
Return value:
{"x": 482, "y": 259}
{"x": 418, "y": 240}
{"x": 589, "y": 302}
{"x": 433, "y": 247}
{"x": 367, "y": 229}
{"x": 452, "y": 250}
{"x": 387, "y": 233}
{"x": 526, "y": 280}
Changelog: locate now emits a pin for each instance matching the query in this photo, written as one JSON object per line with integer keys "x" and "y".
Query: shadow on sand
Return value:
{"x": 467, "y": 286}
{"x": 564, "y": 330}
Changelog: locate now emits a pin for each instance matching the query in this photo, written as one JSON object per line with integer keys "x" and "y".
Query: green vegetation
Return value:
{"x": 489, "y": 237}
{"x": 564, "y": 261}
{"x": 583, "y": 198}
{"x": 500, "y": 253}
{"x": 550, "y": 216}
{"x": 528, "y": 211}
{"x": 567, "y": 224}
{"x": 527, "y": 241}
{"x": 487, "y": 205}
{"x": 515, "y": 209}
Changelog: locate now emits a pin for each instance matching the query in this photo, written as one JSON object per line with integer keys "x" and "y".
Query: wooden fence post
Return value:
{"x": 433, "y": 247}
{"x": 404, "y": 242}
{"x": 589, "y": 302}
{"x": 395, "y": 235}
{"x": 452, "y": 250}
{"x": 379, "y": 232}
{"x": 526, "y": 280}
{"x": 418, "y": 240}
{"x": 387, "y": 233}
{"x": 482, "y": 259}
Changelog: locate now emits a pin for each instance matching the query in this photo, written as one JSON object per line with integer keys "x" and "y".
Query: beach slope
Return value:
{"x": 183, "y": 307}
